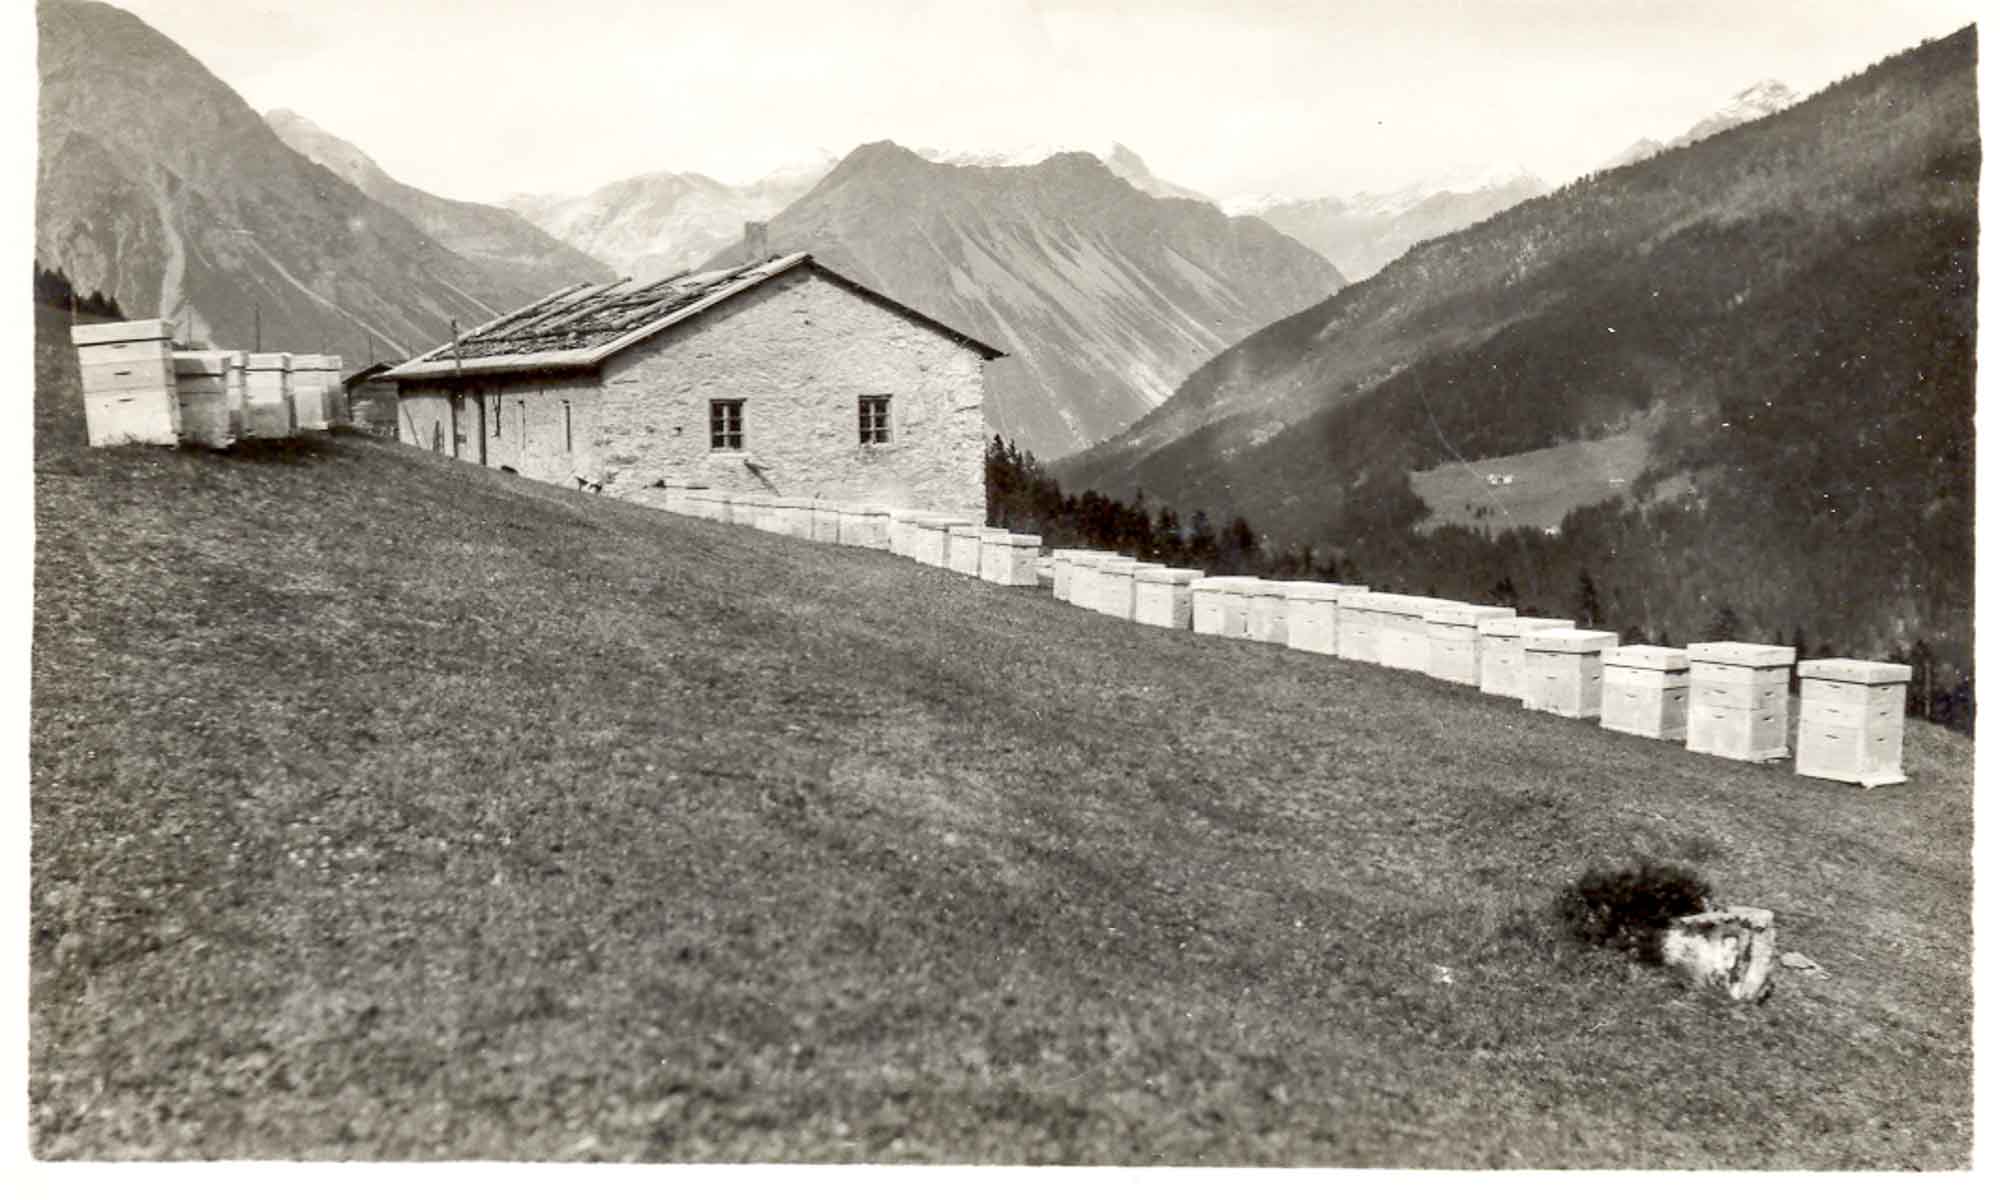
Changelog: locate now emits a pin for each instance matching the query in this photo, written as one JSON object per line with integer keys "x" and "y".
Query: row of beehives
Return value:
{"x": 959, "y": 543}
{"x": 138, "y": 388}
{"x": 1731, "y": 699}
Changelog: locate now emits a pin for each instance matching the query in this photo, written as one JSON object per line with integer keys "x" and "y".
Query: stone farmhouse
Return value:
{"x": 778, "y": 376}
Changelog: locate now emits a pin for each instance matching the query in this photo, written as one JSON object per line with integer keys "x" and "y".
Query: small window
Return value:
{"x": 725, "y": 424}
{"x": 874, "y": 420}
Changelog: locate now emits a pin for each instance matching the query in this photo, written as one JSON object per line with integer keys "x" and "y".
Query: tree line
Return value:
{"x": 1575, "y": 572}
{"x": 54, "y": 289}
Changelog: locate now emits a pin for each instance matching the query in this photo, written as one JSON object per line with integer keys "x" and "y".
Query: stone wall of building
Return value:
{"x": 538, "y": 426}
{"x": 799, "y": 352}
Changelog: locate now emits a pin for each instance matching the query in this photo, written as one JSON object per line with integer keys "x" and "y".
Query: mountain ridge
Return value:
{"x": 1104, "y": 296}
{"x": 1753, "y": 301}
{"x": 159, "y": 185}
{"x": 500, "y": 242}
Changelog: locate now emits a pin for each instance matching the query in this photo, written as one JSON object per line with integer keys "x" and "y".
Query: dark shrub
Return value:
{"x": 1627, "y": 909}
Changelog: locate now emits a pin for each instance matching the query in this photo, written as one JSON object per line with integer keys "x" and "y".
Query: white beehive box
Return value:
{"x": 718, "y": 508}
{"x": 1086, "y": 584}
{"x": 1646, "y": 692}
{"x": 1267, "y": 606}
{"x": 700, "y": 502}
{"x": 1115, "y": 591}
{"x": 1851, "y": 720}
{"x": 237, "y": 387}
{"x": 931, "y": 544}
{"x": 962, "y": 552}
{"x": 267, "y": 410}
{"x": 1739, "y": 699}
{"x": 309, "y": 391}
{"x": 1358, "y": 636}
{"x": 989, "y": 559}
{"x": 1403, "y": 638}
{"x": 1562, "y": 671}
{"x": 1010, "y": 559}
{"x": 1062, "y": 565}
{"x": 129, "y": 391}
{"x": 201, "y": 387}
{"x": 1221, "y": 605}
{"x": 1161, "y": 596}
{"x": 1500, "y": 651}
{"x": 1453, "y": 632}
{"x": 336, "y": 390}
{"x": 1083, "y": 577}
{"x": 1312, "y": 615}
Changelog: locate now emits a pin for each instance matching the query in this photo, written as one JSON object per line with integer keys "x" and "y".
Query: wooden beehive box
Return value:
{"x": 1739, "y": 699}
{"x": 1851, "y": 720}
{"x": 201, "y": 387}
{"x": 1267, "y": 610}
{"x": 930, "y": 543}
{"x": 991, "y": 540}
{"x": 1062, "y": 567}
{"x": 1312, "y": 615}
{"x": 1562, "y": 671}
{"x": 1646, "y": 692}
{"x": 1355, "y": 637}
{"x": 236, "y": 386}
{"x": 309, "y": 391}
{"x": 1160, "y": 596}
{"x": 1009, "y": 559}
{"x": 1453, "y": 634}
{"x": 1500, "y": 651}
{"x": 267, "y": 407}
{"x": 1403, "y": 639}
{"x": 336, "y": 390}
{"x": 1114, "y": 586}
{"x": 962, "y": 549}
{"x": 129, "y": 392}
{"x": 1084, "y": 578}
{"x": 1219, "y": 605}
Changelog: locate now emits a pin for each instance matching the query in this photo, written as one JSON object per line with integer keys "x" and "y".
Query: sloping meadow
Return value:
{"x": 386, "y": 807}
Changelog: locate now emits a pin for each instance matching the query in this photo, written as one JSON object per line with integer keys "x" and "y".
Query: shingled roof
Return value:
{"x": 581, "y": 326}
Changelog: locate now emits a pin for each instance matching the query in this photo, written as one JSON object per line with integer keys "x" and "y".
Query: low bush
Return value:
{"x": 1628, "y": 908}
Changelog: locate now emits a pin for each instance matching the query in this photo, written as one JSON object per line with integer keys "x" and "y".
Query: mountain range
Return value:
{"x": 649, "y": 226}
{"x": 1103, "y": 295}
{"x": 1753, "y": 103}
{"x": 1780, "y": 318}
{"x": 159, "y": 185}
{"x": 508, "y": 249}
{"x": 1363, "y": 232}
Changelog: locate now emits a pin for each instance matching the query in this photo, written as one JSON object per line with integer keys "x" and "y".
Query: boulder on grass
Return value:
{"x": 1731, "y": 950}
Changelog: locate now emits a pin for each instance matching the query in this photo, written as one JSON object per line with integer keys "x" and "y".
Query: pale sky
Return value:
{"x": 481, "y": 98}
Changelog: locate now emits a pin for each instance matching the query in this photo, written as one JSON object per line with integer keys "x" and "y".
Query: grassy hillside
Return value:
{"x": 386, "y": 807}
{"x": 1789, "y": 306}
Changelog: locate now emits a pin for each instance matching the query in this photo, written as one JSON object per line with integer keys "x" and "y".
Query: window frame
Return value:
{"x": 883, "y": 426}
{"x": 725, "y": 424}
